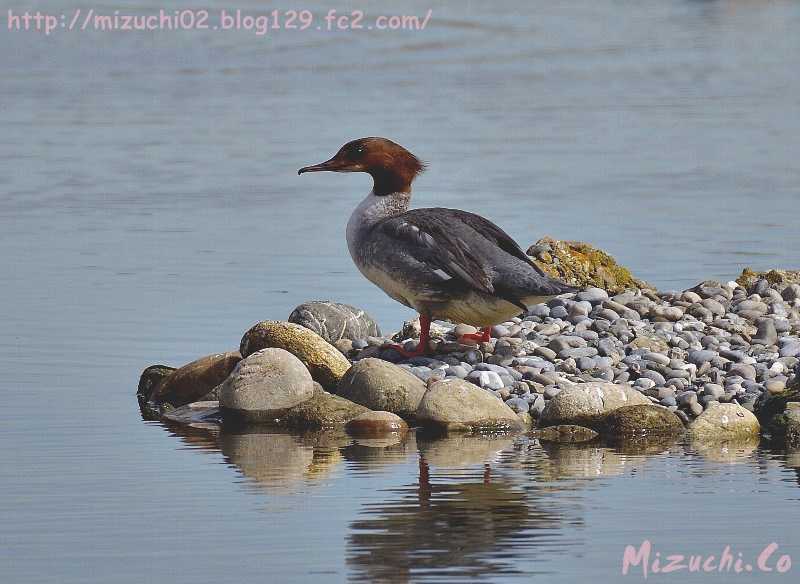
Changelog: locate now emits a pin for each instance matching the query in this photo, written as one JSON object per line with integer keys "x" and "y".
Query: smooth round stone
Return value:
{"x": 499, "y": 331}
{"x": 540, "y": 310}
{"x": 713, "y": 389}
{"x": 551, "y": 392}
{"x": 743, "y": 370}
{"x": 490, "y": 367}
{"x": 360, "y": 344}
{"x": 775, "y": 385}
{"x": 677, "y": 374}
{"x": 654, "y": 376}
{"x": 766, "y": 333}
{"x": 751, "y": 386}
{"x": 537, "y": 406}
{"x": 691, "y": 297}
{"x": 472, "y": 357}
{"x": 265, "y": 384}
{"x": 678, "y": 384}
{"x": 790, "y": 349}
{"x": 752, "y": 306}
{"x": 782, "y": 325}
{"x": 791, "y": 292}
{"x": 586, "y": 363}
{"x": 644, "y": 383}
{"x": 760, "y": 287}
{"x": 607, "y": 314}
{"x": 601, "y": 326}
{"x": 559, "y": 312}
{"x": 376, "y": 423}
{"x": 580, "y": 309}
{"x": 486, "y": 379}
{"x": 344, "y": 345}
{"x": 545, "y": 353}
{"x": 687, "y": 398}
{"x": 668, "y": 401}
{"x": 548, "y": 329}
{"x": 665, "y": 392}
{"x": 562, "y": 342}
{"x": 164, "y": 385}
{"x": 577, "y": 352}
{"x": 732, "y": 355}
{"x": 464, "y": 329}
{"x": 696, "y": 409}
{"x": 669, "y": 313}
{"x": 659, "y": 358}
{"x": 593, "y": 295}
{"x": 716, "y": 307}
{"x": 457, "y": 371}
{"x": 519, "y": 405}
{"x": 507, "y": 380}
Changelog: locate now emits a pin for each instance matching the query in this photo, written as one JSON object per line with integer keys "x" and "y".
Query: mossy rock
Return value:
{"x": 582, "y": 265}
{"x": 323, "y": 410}
{"x": 326, "y": 364}
{"x": 770, "y": 405}
{"x": 774, "y": 277}
{"x": 150, "y": 379}
{"x": 785, "y": 427}
{"x": 642, "y": 420}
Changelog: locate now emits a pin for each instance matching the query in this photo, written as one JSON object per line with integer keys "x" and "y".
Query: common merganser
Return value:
{"x": 444, "y": 263}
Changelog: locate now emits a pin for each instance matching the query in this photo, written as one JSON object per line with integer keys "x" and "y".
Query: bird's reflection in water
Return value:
{"x": 473, "y": 508}
{"x": 455, "y": 522}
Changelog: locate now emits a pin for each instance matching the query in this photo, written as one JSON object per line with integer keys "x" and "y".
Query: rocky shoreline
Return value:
{"x": 617, "y": 359}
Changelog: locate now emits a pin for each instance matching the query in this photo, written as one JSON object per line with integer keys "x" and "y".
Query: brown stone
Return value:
{"x": 376, "y": 424}
{"x": 195, "y": 380}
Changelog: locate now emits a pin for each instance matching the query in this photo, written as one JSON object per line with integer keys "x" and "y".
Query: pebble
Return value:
{"x": 715, "y": 343}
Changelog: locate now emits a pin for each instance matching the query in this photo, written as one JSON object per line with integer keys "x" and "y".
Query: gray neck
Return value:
{"x": 371, "y": 210}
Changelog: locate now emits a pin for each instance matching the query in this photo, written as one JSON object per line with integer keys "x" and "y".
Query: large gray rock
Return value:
{"x": 380, "y": 385}
{"x": 725, "y": 422}
{"x": 587, "y": 404}
{"x": 265, "y": 385}
{"x": 334, "y": 321}
{"x": 457, "y": 405}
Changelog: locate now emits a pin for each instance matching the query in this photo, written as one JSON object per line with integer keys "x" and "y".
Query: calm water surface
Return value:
{"x": 150, "y": 212}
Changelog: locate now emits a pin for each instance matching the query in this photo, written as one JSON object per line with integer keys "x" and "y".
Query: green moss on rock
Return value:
{"x": 774, "y": 277}
{"x": 582, "y": 265}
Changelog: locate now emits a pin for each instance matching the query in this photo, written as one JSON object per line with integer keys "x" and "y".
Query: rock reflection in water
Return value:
{"x": 725, "y": 451}
{"x": 552, "y": 461}
{"x": 454, "y": 522}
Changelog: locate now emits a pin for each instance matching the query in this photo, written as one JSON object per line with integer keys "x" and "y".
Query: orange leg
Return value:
{"x": 424, "y": 337}
{"x": 483, "y": 337}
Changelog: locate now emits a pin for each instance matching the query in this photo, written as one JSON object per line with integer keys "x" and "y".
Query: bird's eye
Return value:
{"x": 359, "y": 150}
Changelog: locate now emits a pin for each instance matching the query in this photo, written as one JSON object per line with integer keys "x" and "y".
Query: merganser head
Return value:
{"x": 392, "y": 167}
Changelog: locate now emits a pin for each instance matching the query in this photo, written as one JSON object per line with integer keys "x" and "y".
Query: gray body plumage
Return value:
{"x": 445, "y": 263}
